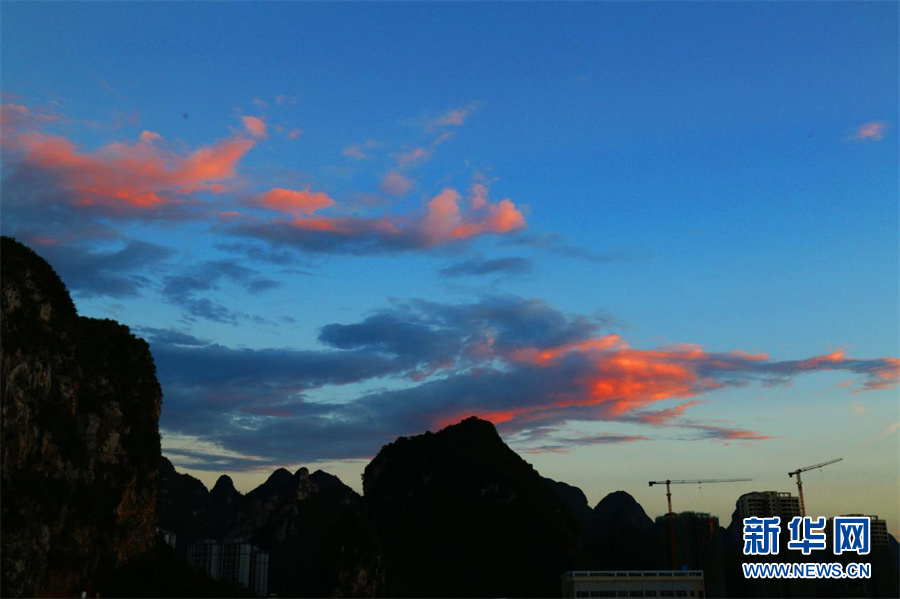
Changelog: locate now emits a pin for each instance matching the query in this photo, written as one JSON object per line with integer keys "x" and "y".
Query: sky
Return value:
{"x": 647, "y": 240}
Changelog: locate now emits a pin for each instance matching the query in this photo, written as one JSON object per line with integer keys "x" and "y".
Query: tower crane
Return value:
{"x": 698, "y": 482}
{"x": 671, "y": 515}
{"x": 800, "y": 483}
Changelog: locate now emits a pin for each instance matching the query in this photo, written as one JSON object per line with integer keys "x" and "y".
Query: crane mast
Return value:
{"x": 800, "y": 482}
{"x": 671, "y": 515}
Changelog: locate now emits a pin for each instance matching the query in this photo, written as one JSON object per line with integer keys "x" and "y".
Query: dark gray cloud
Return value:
{"x": 480, "y": 266}
{"x": 438, "y": 363}
{"x": 88, "y": 271}
{"x": 558, "y": 244}
{"x": 190, "y": 290}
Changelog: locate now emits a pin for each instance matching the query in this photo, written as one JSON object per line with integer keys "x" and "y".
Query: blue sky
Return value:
{"x": 647, "y": 240}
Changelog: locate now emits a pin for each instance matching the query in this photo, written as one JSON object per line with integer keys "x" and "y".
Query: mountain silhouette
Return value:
{"x": 621, "y": 536}
{"x": 314, "y": 527}
{"x": 458, "y": 513}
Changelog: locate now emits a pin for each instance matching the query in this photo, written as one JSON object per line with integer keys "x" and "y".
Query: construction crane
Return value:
{"x": 800, "y": 483}
{"x": 697, "y": 482}
{"x": 671, "y": 515}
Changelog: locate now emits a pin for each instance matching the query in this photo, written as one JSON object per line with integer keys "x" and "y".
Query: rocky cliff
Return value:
{"x": 80, "y": 452}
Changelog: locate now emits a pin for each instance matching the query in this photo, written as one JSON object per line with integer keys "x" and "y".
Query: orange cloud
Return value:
{"x": 295, "y": 202}
{"x": 255, "y": 126}
{"x": 136, "y": 175}
{"x": 885, "y": 378}
{"x": 445, "y": 220}
{"x": 872, "y": 131}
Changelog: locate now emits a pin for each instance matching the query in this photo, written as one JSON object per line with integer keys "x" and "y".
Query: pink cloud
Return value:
{"x": 456, "y": 117}
{"x": 396, "y": 184}
{"x": 412, "y": 157}
{"x": 478, "y": 196}
{"x": 295, "y": 202}
{"x": 354, "y": 151}
{"x": 359, "y": 151}
{"x": 663, "y": 416}
{"x": 255, "y": 126}
{"x": 16, "y": 117}
{"x": 294, "y": 134}
{"x": 149, "y": 137}
{"x": 445, "y": 220}
{"x": 872, "y": 131}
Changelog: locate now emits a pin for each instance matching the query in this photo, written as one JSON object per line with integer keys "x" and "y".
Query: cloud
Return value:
{"x": 871, "y": 131}
{"x": 121, "y": 177}
{"x": 444, "y": 220}
{"x": 360, "y": 151}
{"x": 556, "y": 243}
{"x": 285, "y": 99}
{"x": 414, "y": 156}
{"x": 725, "y": 434}
{"x": 481, "y": 266}
{"x": 890, "y": 430}
{"x": 89, "y": 271}
{"x": 396, "y": 184}
{"x": 15, "y": 118}
{"x": 255, "y": 126}
{"x": 188, "y": 289}
{"x": 149, "y": 137}
{"x": 660, "y": 417}
{"x": 295, "y": 202}
{"x": 456, "y": 117}
{"x": 53, "y": 188}
{"x": 567, "y": 444}
{"x": 520, "y": 363}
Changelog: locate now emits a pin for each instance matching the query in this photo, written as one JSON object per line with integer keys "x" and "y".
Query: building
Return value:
{"x": 259, "y": 571}
{"x": 633, "y": 583}
{"x": 693, "y": 541}
{"x": 167, "y": 535}
{"x": 237, "y": 561}
{"x": 766, "y": 504}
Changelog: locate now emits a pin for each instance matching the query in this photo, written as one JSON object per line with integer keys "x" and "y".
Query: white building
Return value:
{"x": 237, "y": 561}
{"x": 633, "y": 583}
{"x": 767, "y": 504}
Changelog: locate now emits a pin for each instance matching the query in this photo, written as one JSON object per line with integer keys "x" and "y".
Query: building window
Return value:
{"x": 582, "y": 594}
{"x": 635, "y": 593}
